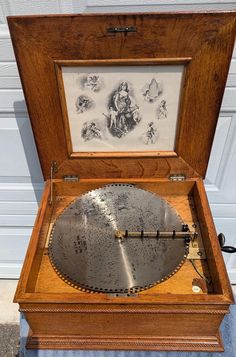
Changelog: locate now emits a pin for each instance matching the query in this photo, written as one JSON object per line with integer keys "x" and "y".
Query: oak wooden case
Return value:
{"x": 169, "y": 316}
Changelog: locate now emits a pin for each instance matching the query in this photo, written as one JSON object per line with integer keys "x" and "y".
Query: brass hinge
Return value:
{"x": 71, "y": 178}
{"x": 177, "y": 177}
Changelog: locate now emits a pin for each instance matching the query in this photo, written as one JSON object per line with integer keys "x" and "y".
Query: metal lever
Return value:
{"x": 53, "y": 170}
{"x": 225, "y": 248}
{"x": 168, "y": 235}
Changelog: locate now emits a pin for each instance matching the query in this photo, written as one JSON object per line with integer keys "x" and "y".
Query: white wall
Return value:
{"x": 21, "y": 181}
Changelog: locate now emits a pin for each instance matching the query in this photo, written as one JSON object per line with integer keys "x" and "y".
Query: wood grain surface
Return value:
{"x": 188, "y": 198}
{"x": 206, "y": 38}
{"x": 169, "y": 316}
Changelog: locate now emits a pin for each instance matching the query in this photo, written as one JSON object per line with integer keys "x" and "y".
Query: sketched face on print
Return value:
{"x": 122, "y": 108}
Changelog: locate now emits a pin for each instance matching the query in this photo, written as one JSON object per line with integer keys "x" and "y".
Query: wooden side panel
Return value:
{"x": 214, "y": 255}
{"x": 136, "y": 332}
{"x": 133, "y": 325}
{"x": 34, "y": 253}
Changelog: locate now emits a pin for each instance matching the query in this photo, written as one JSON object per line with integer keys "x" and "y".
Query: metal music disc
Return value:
{"x": 85, "y": 252}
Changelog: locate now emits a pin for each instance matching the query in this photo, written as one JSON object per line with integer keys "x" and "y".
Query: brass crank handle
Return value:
{"x": 225, "y": 248}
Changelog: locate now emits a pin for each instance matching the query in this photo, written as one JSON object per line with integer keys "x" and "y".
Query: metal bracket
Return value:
{"x": 71, "y": 178}
{"x": 196, "y": 248}
{"x": 127, "y": 29}
{"x": 196, "y": 253}
{"x": 122, "y": 294}
{"x": 53, "y": 170}
{"x": 177, "y": 177}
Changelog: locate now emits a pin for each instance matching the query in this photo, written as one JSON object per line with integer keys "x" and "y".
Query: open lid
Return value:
{"x": 124, "y": 95}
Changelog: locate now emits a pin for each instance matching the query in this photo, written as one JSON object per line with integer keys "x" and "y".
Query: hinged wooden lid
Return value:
{"x": 201, "y": 42}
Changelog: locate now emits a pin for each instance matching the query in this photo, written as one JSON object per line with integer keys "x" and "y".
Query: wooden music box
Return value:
{"x": 124, "y": 253}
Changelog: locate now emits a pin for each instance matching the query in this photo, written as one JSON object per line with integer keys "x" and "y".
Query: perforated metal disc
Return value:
{"x": 85, "y": 252}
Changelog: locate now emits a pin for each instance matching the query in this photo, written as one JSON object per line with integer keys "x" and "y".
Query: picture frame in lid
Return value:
{"x": 120, "y": 106}
{"x": 201, "y": 44}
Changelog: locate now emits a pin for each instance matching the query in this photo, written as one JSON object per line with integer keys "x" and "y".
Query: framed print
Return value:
{"x": 120, "y": 108}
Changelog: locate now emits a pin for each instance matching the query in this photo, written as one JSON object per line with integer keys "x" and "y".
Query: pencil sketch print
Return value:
{"x": 122, "y": 108}
{"x": 90, "y": 131}
{"x": 83, "y": 103}
{"x": 152, "y": 90}
{"x": 92, "y": 82}
{"x": 151, "y": 134}
{"x": 162, "y": 110}
{"x": 123, "y": 113}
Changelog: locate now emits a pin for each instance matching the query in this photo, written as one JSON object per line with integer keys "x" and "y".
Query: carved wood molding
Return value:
{"x": 162, "y": 343}
{"x": 123, "y": 311}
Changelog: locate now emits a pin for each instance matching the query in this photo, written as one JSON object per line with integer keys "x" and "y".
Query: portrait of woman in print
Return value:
{"x": 122, "y": 108}
{"x": 123, "y": 111}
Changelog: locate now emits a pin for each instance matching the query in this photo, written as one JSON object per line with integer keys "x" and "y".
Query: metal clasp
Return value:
{"x": 121, "y": 29}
